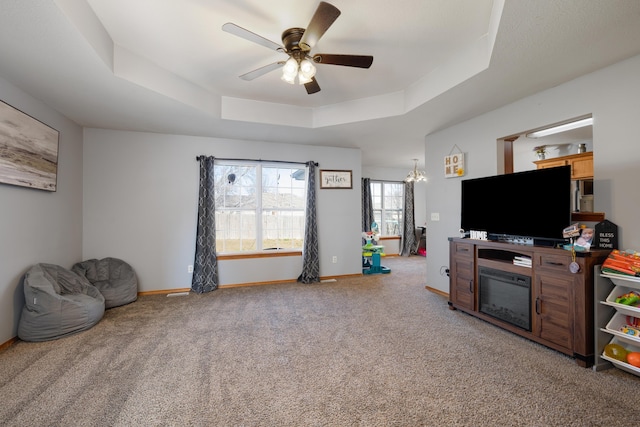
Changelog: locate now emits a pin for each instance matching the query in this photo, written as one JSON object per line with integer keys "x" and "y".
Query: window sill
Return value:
{"x": 265, "y": 254}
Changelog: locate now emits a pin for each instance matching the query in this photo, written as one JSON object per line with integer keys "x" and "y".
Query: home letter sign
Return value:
{"x": 454, "y": 165}
{"x": 479, "y": 235}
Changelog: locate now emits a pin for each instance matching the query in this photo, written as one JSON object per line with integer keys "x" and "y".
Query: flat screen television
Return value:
{"x": 534, "y": 206}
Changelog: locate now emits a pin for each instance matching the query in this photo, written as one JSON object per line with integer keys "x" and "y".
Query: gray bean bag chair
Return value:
{"x": 58, "y": 302}
{"x": 114, "y": 278}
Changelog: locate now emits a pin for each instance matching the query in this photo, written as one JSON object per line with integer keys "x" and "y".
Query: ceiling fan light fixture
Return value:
{"x": 289, "y": 79}
{"x": 297, "y": 43}
{"x": 307, "y": 68}
{"x": 303, "y": 80}
{"x": 290, "y": 68}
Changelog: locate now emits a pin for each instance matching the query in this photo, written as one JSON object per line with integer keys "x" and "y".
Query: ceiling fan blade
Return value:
{"x": 312, "y": 87}
{"x": 252, "y": 37}
{"x": 322, "y": 19}
{"x": 261, "y": 71}
{"x": 360, "y": 61}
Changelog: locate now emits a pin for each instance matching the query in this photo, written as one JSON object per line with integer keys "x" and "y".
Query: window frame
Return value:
{"x": 259, "y": 209}
{"x": 383, "y": 209}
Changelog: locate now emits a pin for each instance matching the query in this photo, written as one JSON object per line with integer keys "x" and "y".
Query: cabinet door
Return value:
{"x": 462, "y": 283}
{"x": 582, "y": 168}
{"x": 553, "y": 308}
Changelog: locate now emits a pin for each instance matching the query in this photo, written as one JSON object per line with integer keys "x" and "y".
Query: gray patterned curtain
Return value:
{"x": 409, "y": 244}
{"x": 205, "y": 265}
{"x": 367, "y": 205}
{"x": 310, "y": 263}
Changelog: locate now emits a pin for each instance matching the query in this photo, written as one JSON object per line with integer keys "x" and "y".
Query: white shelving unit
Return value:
{"x": 610, "y": 316}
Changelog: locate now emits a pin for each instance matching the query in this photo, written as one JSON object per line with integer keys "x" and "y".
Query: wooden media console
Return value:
{"x": 547, "y": 303}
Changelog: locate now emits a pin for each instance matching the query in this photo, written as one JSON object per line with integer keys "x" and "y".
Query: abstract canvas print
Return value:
{"x": 28, "y": 150}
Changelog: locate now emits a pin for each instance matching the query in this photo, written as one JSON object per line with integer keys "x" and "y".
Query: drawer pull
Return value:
{"x": 560, "y": 264}
{"x": 538, "y": 305}
{"x": 471, "y": 286}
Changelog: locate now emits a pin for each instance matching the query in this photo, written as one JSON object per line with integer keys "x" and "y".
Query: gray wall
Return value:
{"x": 140, "y": 201}
{"x": 612, "y": 95}
{"x": 38, "y": 226}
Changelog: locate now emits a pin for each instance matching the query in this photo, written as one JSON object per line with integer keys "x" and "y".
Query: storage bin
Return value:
{"x": 622, "y": 308}
{"x": 623, "y": 280}
{"x": 615, "y": 325}
{"x": 619, "y": 364}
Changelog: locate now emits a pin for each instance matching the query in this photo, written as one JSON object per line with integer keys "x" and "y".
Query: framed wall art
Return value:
{"x": 335, "y": 179}
{"x": 454, "y": 163}
{"x": 28, "y": 150}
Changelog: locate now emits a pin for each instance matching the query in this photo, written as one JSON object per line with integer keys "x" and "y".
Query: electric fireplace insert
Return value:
{"x": 506, "y": 296}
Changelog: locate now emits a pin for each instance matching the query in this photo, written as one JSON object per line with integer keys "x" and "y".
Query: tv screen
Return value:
{"x": 533, "y": 204}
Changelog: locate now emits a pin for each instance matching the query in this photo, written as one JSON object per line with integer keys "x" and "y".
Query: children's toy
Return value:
{"x": 630, "y": 298}
{"x": 630, "y": 330}
{"x": 633, "y": 358}
{"x": 632, "y": 327}
{"x": 616, "y": 351}
{"x": 371, "y": 236}
{"x": 633, "y": 321}
{"x": 374, "y": 267}
{"x": 374, "y": 252}
{"x": 622, "y": 262}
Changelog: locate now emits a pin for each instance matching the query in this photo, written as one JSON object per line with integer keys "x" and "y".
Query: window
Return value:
{"x": 387, "y": 198}
{"x": 259, "y": 207}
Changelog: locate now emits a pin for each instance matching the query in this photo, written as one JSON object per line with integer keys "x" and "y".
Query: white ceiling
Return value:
{"x": 166, "y": 65}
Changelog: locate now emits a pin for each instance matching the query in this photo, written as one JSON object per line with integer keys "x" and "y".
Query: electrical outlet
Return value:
{"x": 334, "y": 259}
{"x": 435, "y": 216}
{"x": 190, "y": 269}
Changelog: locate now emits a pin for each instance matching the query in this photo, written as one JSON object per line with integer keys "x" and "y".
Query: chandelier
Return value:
{"x": 415, "y": 175}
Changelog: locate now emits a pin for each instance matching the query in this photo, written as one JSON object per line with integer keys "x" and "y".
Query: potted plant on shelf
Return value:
{"x": 540, "y": 150}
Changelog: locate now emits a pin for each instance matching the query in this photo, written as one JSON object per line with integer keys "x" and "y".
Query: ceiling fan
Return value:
{"x": 298, "y": 43}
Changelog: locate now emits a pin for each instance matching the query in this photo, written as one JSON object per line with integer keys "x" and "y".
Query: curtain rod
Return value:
{"x": 387, "y": 180}
{"x": 257, "y": 160}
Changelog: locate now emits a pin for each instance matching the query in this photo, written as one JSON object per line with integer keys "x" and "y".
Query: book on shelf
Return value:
{"x": 522, "y": 263}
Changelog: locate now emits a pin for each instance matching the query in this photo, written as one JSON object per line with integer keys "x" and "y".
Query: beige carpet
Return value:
{"x": 373, "y": 351}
